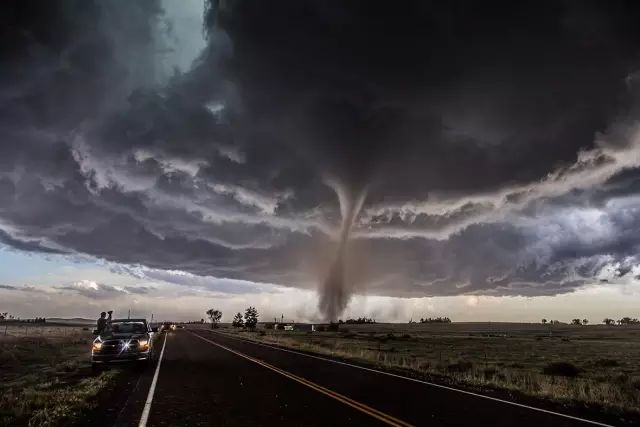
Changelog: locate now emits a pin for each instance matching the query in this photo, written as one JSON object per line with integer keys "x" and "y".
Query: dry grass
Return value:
{"x": 510, "y": 357}
{"x": 45, "y": 375}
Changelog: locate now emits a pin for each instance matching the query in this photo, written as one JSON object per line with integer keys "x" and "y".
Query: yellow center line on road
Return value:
{"x": 387, "y": 419}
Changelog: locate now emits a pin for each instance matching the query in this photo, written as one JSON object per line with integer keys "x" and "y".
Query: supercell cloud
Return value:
{"x": 407, "y": 150}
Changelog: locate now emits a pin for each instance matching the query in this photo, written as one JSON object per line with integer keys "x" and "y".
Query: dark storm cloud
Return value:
{"x": 493, "y": 144}
{"x": 26, "y": 245}
{"x": 428, "y": 97}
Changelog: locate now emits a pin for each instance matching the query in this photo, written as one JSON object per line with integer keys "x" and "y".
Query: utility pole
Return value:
{"x": 129, "y": 314}
{"x": 151, "y": 317}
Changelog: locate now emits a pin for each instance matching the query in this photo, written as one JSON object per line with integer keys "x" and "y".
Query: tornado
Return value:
{"x": 335, "y": 291}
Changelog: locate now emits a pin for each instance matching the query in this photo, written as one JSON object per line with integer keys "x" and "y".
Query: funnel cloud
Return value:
{"x": 335, "y": 290}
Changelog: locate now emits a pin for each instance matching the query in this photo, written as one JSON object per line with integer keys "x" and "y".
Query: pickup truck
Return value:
{"x": 123, "y": 340}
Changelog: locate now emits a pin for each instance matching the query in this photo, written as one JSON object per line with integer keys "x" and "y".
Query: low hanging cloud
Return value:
{"x": 140, "y": 290}
{"x": 491, "y": 161}
{"x": 206, "y": 283}
{"x": 22, "y": 288}
{"x": 94, "y": 290}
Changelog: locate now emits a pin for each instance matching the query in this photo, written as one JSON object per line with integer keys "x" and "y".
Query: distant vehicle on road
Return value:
{"x": 168, "y": 326}
{"x": 127, "y": 340}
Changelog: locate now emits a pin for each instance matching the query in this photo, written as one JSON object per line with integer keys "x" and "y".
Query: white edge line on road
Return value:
{"x": 152, "y": 389}
{"x": 495, "y": 399}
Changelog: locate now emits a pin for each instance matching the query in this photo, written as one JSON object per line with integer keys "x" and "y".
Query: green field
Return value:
{"x": 594, "y": 366}
{"x": 45, "y": 375}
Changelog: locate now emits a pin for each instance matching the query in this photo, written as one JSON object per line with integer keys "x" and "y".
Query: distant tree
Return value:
{"x": 4, "y": 315}
{"x": 250, "y": 317}
{"x": 201, "y": 320}
{"x": 585, "y": 321}
{"x": 214, "y": 316}
{"x": 609, "y": 322}
{"x": 237, "y": 321}
{"x": 576, "y": 322}
{"x": 544, "y": 321}
{"x": 628, "y": 321}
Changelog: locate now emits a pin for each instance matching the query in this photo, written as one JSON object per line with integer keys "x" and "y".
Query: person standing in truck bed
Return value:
{"x": 103, "y": 322}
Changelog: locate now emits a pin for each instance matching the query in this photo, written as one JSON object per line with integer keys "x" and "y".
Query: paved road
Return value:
{"x": 206, "y": 378}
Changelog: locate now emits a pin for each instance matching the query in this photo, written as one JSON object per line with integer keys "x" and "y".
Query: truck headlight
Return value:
{"x": 97, "y": 346}
{"x": 143, "y": 344}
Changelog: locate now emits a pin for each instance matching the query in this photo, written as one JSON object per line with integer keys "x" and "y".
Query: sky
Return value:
{"x": 319, "y": 159}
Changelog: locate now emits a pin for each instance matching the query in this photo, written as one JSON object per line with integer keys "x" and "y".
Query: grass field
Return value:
{"x": 45, "y": 375}
{"x": 594, "y": 366}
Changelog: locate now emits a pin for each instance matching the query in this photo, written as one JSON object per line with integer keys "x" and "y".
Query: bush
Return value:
{"x": 563, "y": 369}
{"x": 436, "y": 320}
{"x": 489, "y": 372}
{"x": 424, "y": 365}
{"x": 459, "y": 367}
{"x": 606, "y": 363}
{"x": 68, "y": 366}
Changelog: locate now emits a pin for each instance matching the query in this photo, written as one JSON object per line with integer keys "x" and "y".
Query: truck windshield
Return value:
{"x": 128, "y": 327}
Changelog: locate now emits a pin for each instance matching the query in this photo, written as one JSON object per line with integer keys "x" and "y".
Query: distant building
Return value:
{"x": 302, "y": 327}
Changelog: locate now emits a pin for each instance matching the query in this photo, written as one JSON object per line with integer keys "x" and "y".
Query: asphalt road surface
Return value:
{"x": 206, "y": 378}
